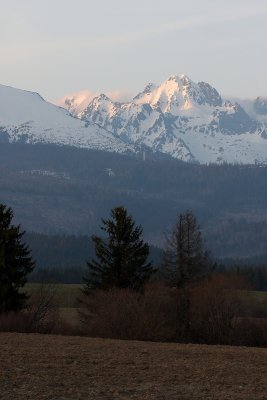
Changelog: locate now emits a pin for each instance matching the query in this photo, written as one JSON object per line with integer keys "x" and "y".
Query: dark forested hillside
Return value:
{"x": 63, "y": 258}
{"x": 64, "y": 190}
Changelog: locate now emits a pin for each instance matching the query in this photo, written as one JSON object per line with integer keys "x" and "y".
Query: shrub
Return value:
{"x": 214, "y": 308}
{"x": 126, "y": 314}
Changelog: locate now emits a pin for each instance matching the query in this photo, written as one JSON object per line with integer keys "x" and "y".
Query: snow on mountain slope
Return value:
{"x": 186, "y": 120}
{"x": 26, "y": 116}
{"x": 75, "y": 103}
{"x": 256, "y": 109}
{"x": 179, "y": 94}
{"x": 180, "y": 118}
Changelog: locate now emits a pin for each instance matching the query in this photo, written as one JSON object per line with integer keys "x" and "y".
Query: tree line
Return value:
{"x": 121, "y": 258}
{"x": 189, "y": 298}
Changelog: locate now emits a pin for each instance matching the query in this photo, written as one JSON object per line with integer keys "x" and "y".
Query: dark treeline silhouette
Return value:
{"x": 62, "y": 258}
{"x": 256, "y": 274}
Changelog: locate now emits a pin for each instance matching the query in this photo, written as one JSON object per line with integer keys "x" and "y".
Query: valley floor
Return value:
{"x": 35, "y": 366}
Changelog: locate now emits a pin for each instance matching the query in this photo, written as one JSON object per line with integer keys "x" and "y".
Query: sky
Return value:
{"x": 56, "y": 47}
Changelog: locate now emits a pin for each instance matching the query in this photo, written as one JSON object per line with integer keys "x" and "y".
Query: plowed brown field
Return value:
{"x": 70, "y": 368}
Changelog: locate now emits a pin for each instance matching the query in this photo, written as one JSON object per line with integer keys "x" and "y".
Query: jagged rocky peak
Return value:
{"x": 212, "y": 97}
{"x": 151, "y": 86}
{"x": 100, "y": 102}
{"x": 167, "y": 96}
{"x": 147, "y": 91}
{"x": 152, "y": 91}
{"x": 68, "y": 102}
{"x": 201, "y": 93}
{"x": 260, "y": 105}
{"x": 184, "y": 79}
{"x": 179, "y": 117}
{"x": 178, "y": 82}
{"x": 99, "y": 109}
{"x": 101, "y": 97}
{"x": 179, "y": 92}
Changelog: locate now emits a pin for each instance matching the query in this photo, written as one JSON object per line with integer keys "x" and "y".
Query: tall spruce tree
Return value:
{"x": 185, "y": 257}
{"x": 121, "y": 258}
{"x": 15, "y": 263}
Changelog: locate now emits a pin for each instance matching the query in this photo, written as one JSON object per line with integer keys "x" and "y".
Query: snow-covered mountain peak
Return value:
{"x": 146, "y": 92}
{"x": 162, "y": 96}
{"x": 184, "y": 119}
{"x": 179, "y": 117}
{"x": 75, "y": 103}
{"x": 102, "y": 97}
{"x": 179, "y": 94}
{"x": 101, "y": 101}
{"x": 26, "y": 117}
{"x": 184, "y": 79}
{"x": 101, "y": 104}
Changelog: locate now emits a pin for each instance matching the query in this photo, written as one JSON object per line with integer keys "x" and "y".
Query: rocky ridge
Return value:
{"x": 178, "y": 118}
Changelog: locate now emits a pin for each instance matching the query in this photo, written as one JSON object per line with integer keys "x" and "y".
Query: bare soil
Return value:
{"x": 34, "y": 366}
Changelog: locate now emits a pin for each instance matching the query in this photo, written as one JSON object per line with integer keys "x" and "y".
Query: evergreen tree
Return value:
{"x": 185, "y": 256}
{"x": 121, "y": 257}
{"x": 15, "y": 263}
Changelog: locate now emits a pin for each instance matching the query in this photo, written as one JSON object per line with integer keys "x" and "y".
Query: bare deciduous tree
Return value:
{"x": 185, "y": 257}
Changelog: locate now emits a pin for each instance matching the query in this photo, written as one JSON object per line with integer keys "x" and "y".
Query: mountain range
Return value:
{"x": 179, "y": 119}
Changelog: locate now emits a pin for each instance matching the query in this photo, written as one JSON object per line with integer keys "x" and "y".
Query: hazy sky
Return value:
{"x": 57, "y": 47}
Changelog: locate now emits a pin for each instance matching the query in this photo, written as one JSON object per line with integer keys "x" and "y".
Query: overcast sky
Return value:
{"x": 57, "y": 47}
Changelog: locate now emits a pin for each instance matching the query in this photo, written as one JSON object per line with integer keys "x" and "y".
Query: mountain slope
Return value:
{"x": 256, "y": 109}
{"x": 189, "y": 121}
{"x": 27, "y": 117}
{"x": 179, "y": 118}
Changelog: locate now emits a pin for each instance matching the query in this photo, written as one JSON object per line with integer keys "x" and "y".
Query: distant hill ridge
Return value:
{"x": 65, "y": 190}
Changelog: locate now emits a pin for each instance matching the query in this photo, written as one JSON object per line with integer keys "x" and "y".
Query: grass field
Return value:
{"x": 65, "y": 298}
{"x": 66, "y": 295}
{"x": 254, "y": 303}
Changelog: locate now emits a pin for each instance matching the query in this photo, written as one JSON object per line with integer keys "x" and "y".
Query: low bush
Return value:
{"x": 250, "y": 332}
{"x": 214, "y": 308}
{"x": 210, "y": 311}
{"x": 39, "y": 315}
{"x": 15, "y": 322}
{"x": 126, "y": 314}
